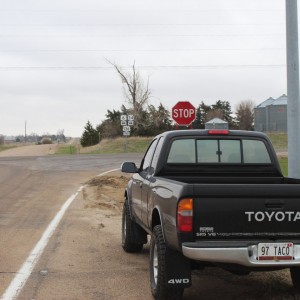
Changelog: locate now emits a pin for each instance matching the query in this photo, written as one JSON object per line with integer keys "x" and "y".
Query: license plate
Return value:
{"x": 275, "y": 251}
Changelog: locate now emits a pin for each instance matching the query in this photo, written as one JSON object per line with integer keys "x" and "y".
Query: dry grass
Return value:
{"x": 119, "y": 145}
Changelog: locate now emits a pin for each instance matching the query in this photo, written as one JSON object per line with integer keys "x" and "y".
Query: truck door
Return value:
{"x": 149, "y": 180}
{"x": 141, "y": 182}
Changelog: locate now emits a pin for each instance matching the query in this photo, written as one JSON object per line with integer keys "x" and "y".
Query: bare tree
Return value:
{"x": 245, "y": 114}
{"x": 136, "y": 92}
{"x": 61, "y": 135}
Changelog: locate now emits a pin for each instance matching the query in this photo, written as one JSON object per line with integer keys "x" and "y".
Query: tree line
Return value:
{"x": 154, "y": 120}
{"x": 46, "y": 138}
{"x": 150, "y": 120}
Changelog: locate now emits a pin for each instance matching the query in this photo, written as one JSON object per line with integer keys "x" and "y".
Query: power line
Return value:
{"x": 136, "y": 10}
{"x": 138, "y": 35}
{"x": 143, "y": 24}
{"x": 95, "y": 68}
{"x": 138, "y": 50}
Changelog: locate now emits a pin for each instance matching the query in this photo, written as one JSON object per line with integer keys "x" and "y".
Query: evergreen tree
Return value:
{"x": 111, "y": 126}
{"x": 90, "y": 136}
{"x": 158, "y": 120}
{"x": 197, "y": 124}
{"x": 224, "y": 108}
{"x": 204, "y": 110}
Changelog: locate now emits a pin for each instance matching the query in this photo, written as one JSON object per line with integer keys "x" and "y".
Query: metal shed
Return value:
{"x": 216, "y": 123}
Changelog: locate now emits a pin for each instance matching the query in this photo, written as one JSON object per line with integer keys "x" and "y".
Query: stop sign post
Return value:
{"x": 183, "y": 113}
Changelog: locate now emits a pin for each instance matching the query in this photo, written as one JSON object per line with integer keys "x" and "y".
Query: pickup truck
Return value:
{"x": 211, "y": 198}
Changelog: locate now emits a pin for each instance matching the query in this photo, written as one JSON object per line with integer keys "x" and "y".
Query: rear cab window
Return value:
{"x": 241, "y": 151}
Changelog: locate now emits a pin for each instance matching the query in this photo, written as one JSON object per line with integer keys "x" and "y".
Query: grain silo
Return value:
{"x": 271, "y": 115}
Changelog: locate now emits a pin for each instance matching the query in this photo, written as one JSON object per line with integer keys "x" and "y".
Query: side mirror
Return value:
{"x": 129, "y": 167}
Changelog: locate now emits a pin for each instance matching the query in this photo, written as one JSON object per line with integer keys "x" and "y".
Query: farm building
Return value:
{"x": 216, "y": 123}
{"x": 271, "y": 115}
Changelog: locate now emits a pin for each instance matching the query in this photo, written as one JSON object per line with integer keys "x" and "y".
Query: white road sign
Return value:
{"x": 126, "y": 128}
{"x": 123, "y": 117}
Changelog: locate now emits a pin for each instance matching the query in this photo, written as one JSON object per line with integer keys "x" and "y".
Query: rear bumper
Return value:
{"x": 244, "y": 255}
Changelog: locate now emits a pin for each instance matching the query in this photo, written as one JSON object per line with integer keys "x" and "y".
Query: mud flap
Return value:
{"x": 140, "y": 235}
{"x": 178, "y": 270}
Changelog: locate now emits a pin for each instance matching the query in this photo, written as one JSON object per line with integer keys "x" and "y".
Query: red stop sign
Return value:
{"x": 183, "y": 113}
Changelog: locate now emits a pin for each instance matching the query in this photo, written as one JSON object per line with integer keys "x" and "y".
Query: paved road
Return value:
{"x": 84, "y": 260}
{"x": 32, "y": 191}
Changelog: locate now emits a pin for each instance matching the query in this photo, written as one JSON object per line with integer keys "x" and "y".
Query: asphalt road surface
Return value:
{"x": 83, "y": 259}
{"x": 76, "y": 261}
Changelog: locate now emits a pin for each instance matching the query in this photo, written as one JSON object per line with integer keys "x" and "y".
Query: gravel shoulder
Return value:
{"x": 30, "y": 150}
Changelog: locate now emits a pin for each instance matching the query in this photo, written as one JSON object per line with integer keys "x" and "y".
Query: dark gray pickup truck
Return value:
{"x": 211, "y": 197}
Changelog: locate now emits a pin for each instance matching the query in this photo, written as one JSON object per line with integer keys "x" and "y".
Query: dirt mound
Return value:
{"x": 106, "y": 193}
{"x": 113, "y": 181}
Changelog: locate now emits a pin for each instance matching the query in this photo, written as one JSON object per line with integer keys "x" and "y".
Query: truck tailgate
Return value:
{"x": 245, "y": 211}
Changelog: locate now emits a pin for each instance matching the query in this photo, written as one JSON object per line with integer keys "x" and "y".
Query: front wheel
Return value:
{"x": 129, "y": 243}
{"x": 158, "y": 265}
{"x": 295, "y": 275}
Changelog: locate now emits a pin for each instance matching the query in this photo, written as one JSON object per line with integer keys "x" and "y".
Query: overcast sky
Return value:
{"x": 54, "y": 76}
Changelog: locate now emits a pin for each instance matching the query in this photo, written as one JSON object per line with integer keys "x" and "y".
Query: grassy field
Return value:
{"x": 121, "y": 145}
{"x": 67, "y": 149}
{"x": 109, "y": 146}
{"x": 284, "y": 165}
{"x": 279, "y": 141}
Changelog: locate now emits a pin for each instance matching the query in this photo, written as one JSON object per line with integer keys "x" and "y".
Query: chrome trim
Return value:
{"x": 245, "y": 256}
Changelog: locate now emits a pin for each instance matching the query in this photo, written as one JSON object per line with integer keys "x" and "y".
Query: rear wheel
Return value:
{"x": 295, "y": 275}
{"x": 158, "y": 274}
{"x": 129, "y": 243}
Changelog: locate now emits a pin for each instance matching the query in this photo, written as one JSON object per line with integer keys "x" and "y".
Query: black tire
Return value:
{"x": 295, "y": 275}
{"x": 158, "y": 252}
{"x": 128, "y": 226}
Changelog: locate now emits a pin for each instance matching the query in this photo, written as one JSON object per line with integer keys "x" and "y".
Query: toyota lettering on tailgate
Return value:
{"x": 279, "y": 216}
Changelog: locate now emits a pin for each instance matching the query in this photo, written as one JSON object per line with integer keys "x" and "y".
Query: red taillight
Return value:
{"x": 220, "y": 131}
{"x": 185, "y": 215}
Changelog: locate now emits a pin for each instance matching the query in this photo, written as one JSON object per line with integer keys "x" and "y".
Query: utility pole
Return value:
{"x": 25, "y": 133}
{"x": 293, "y": 85}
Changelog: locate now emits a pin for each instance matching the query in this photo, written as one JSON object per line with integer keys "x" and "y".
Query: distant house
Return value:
{"x": 216, "y": 123}
{"x": 9, "y": 139}
{"x": 271, "y": 115}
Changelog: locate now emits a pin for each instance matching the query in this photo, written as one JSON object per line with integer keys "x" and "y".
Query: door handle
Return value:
{"x": 275, "y": 204}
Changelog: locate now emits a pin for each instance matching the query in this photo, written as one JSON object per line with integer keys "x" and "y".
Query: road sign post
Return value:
{"x": 126, "y": 122}
{"x": 183, "y": 113}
